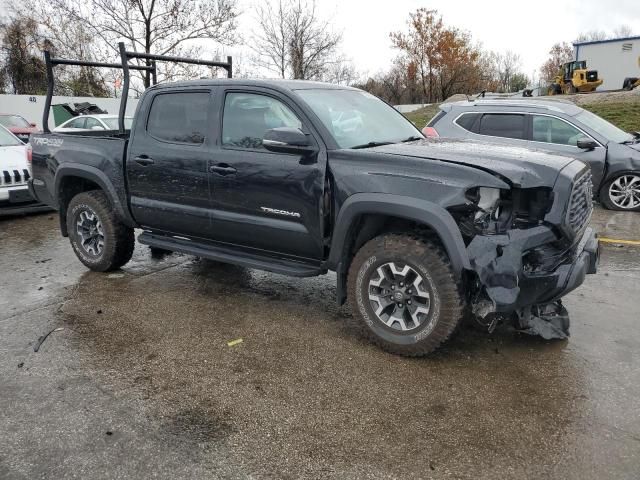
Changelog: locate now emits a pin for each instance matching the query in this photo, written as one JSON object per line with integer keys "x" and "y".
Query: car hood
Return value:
{"x": 13, "y": 158}
{"x": 522, "y": 167}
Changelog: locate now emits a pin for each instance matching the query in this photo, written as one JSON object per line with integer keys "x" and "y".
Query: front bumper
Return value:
{"x": 18, "y": 201}
{"x": 507, "y": 281}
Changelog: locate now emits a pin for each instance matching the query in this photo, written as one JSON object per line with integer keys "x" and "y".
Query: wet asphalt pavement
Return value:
{"x": 140, "y": 381}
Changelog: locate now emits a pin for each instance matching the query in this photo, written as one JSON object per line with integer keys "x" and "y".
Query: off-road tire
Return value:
{"x": 433, "y": 265}
{"x": 606, "y": 201}
{"x": 119, "y": 240}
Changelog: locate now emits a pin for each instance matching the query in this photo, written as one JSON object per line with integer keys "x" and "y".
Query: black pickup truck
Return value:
{"x": 301, "y": 178}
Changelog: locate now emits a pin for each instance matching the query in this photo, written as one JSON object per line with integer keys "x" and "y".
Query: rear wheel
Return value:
{"x": 98, "y": 238}
{"x": 622, "y": 192}
{"x": 404, "y": 295}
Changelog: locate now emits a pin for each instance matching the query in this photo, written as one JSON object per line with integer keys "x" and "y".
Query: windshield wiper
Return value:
{"x": 371, "y": 144}
{"x": 412, "y": 139}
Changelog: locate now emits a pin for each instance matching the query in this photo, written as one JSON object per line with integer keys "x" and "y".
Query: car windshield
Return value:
{"x": 112, "y": 123}
{"x": 7, "y": 139}
{"x": 358, "y": 119}
{"x": 604, "y": 128}
{"x": 13, "y": 121}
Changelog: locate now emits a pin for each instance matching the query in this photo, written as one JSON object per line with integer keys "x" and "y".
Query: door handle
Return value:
{"x": 222, "y": 169}
{"x": 144, "y": 160}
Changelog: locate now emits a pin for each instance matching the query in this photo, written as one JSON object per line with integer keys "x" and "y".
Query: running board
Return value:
{"x": 230, "y": 255}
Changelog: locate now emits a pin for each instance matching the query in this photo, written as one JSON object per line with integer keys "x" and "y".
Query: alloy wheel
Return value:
{"x": 399, "y": 296}
{"x": 89, "y": 230}
{"x": 624, "y": 192}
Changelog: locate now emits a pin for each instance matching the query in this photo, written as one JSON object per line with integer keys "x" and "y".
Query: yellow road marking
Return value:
{"x": 622, "y": 242}
{"x": 234, "y": 342}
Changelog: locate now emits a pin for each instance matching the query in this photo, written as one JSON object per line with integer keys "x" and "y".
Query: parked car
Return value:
{"x": 17, "y": 125}
{"x": 15, "y": 171}
{"x": 612, "y": 154}
{"x": 92, "y": 122}
{"x": 267, "y": 175}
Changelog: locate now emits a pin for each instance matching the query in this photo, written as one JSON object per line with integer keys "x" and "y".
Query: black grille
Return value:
{"x": 581, "y": 202}
{"x": 592, "y": 76}
{"x": 14, "y": 177}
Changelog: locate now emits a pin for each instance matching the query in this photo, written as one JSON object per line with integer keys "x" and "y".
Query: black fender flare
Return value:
{"x": 424, "y": 212}
{"x": 96, "y": 176}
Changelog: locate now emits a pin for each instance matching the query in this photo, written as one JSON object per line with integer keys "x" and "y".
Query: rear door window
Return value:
{"x": 180, "y": 117}
{"x": 506, "y": 125}
{"x": 553, "y": 130}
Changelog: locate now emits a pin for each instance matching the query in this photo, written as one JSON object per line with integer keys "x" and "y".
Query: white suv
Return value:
{"x": 15, "y": 170}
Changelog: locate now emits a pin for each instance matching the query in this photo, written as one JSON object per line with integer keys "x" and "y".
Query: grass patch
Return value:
{"x": 624, "y": 115}
{"x": 421, "y": 116}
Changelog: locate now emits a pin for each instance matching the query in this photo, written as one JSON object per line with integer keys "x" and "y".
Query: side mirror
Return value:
{"x": 97, "y": 127}
{"x": 585, "y": 143}
{"x": 287, "y": 140}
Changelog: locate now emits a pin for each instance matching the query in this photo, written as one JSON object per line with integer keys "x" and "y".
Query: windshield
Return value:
{"x": 604, "y": 128}
{"x": 7, "y": 139}
{"x": 13, "y": 121}
{"x": 357, "y": 118}
{"x": 112, "y": 123}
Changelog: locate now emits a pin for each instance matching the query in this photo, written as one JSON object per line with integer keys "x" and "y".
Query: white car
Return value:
{"x": 15, "y": 171}
{"x": 93, "y": 122}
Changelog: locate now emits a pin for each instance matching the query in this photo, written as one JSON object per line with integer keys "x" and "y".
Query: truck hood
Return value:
{"x": 521, "y": 167}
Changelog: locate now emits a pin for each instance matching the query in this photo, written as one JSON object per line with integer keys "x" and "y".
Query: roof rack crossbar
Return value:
{"x": 51, "y": 62}
{"x": 125, "y": 56}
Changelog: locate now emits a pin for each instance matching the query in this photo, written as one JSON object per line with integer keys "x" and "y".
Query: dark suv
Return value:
{"x": 564, "y": 128}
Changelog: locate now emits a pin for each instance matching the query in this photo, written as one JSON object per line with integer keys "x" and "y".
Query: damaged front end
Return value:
{"x": 529, "y": 247}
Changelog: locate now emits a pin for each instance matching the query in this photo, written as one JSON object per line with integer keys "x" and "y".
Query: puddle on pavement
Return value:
{"x": 162, "y": 338}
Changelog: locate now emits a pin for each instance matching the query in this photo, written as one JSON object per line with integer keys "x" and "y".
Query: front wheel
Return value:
{"x": 404, "y": 295}
{"x": 622, "y": 192}
{"x": 98, "y": 238}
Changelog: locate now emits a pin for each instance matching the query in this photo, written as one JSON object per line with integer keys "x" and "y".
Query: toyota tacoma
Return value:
{"x": 301, "y": 178}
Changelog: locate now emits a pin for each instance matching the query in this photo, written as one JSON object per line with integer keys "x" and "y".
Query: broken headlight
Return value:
{"x": 530, "y": 206}
{"x": 491, "y": 213}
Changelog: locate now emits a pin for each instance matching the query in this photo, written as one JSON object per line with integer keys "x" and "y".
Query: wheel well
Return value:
{"x": 368, "y": 226}
{"x": 70, "y": 187}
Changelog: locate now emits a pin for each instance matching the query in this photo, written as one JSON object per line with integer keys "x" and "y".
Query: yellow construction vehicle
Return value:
{"x": 574, "y": 77}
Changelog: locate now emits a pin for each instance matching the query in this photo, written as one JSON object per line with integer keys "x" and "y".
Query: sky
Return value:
{"x": 527, "y": 28}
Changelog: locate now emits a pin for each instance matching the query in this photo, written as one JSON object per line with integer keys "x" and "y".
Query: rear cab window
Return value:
{"x": 180, "y": 117}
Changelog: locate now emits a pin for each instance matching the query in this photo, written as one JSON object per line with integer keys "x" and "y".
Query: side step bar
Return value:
{"x": 230, "y": 255}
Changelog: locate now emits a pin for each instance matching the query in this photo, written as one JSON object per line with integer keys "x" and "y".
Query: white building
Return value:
{"x": 614, "y": 59}
{"x": 31, "y": 107}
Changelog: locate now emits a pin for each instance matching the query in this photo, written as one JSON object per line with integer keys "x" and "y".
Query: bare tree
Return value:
{"x": 622, "y": 31}
{"x": 506, "y": 65}
{"x": 294, "y": 41}
{"x": 21, "y": 66}
{"x": 270, "y": 42}
{"x": 151, "y": 26}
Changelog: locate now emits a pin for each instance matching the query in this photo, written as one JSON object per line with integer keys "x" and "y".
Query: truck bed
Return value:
{"x": 100, "y": 153}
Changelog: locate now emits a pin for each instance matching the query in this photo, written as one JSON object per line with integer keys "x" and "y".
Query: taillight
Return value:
{"x": 430, "y": 132}
{"x": 29, "y": 154}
